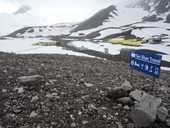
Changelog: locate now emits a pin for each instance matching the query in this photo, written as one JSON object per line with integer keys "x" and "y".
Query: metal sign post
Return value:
{"x": 153, "y": 84}
{"x": 146, "y": 63}
{"x": 131, "y": 76}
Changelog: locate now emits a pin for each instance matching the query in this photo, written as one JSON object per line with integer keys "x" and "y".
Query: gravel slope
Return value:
{"x": 79, "y": 85}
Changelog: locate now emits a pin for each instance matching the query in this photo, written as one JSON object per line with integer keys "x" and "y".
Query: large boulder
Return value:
{"x": 144, "y": 113}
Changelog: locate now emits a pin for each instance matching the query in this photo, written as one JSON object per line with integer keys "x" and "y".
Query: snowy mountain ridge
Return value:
{"x": 159, "y": 9}
{"x": 110, "y": 22}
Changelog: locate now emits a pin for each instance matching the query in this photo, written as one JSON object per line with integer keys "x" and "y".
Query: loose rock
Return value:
{"x": 137, "y": 95}
{"x": 162, "y": 114}
{"x": 126, "y": 107}
{"x": 4, "y": 90}
{"x": 88, "y": 84}
{"x": 125, "y": 100}
{"x": 34, "y": 99}
{"x": 73, "y": 125}
{"x": 31, "y": 81}
{"x": 33, "y": 114}
{"x": 116, "y": 93}
{"x": 20, "y": 90}
{"x": 84, "y": 122}
{"x": 126, "y": 86}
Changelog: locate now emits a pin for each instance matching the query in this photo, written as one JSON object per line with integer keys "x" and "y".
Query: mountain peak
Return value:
{"x": 99, "y": 18}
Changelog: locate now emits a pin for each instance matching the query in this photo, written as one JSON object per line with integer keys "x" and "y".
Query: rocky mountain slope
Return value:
{"x": 67, "y": 91}
{"x": 42, "y": 31}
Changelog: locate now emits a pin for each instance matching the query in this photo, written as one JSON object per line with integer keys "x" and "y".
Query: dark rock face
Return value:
{"x": 21, "y": 31}
{"x": 97, "y": 19}
{"x": 168, "y": 18}
{"x": 152, "y": 18}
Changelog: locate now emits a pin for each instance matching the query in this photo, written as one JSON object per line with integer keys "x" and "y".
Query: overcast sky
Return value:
{"x": 56, "y": 11}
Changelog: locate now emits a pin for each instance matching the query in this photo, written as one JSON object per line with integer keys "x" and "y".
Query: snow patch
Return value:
{"x": 24, "y": 46}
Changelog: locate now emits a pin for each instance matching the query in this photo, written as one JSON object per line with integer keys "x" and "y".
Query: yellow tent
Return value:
{"x": 131, "y": 42}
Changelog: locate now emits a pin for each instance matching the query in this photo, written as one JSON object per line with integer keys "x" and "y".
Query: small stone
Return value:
{"x": 51, "y": 96}
{"x": 164, "y": 90}
{"x": 20, "y": 90}
{"x": 126, "y": 107}
{"x": 101, "y": 110}
{"x": 12, "y": 115}
{"x": 79, "y": 113}
{"x": 168, "y": 123}
{"x": 84, "y": 122}
{"x": 33, "y": 114}
{"x": 72, "y": 117}
{"x": 92, "y": 107}
{"x": 119, "y": 124}
{"x": 4, "y": 90}
{"x": 25, "y": 126}
{"x": 116, "y": 114}
{"x": 126, "y": 86}
{"x": 4, "y": 71}
{"x": 88, "y": 85}
{"x": 73, "y": 125}
{"x": 104, "y": 116}
{"x": 16, "y": 111}
{"x": 34, "y": 99}
{"x": 119, "y": 105}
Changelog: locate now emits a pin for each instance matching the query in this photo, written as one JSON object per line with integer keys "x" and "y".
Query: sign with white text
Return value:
{"x": 147, "y": 63}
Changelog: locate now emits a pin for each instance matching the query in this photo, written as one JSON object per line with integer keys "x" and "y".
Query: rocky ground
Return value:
{"x": 68, "y": 91}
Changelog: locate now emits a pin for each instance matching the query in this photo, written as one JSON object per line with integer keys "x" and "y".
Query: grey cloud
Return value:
{"x": 23, "y": 9}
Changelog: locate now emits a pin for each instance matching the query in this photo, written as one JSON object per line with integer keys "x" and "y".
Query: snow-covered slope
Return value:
{"x": 116, "y": 19}
{"x": 24, "y": 46}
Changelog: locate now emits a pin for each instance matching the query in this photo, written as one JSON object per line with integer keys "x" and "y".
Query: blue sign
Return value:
{"x": 146, "y": 63}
